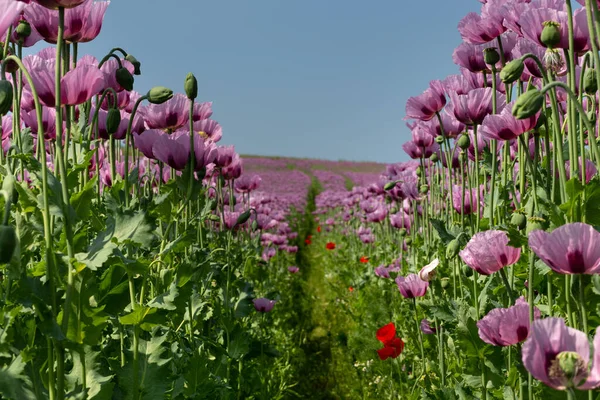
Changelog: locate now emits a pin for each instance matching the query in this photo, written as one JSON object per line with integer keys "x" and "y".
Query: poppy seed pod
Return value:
{"x": 590, "y": 85}
{"x": 191, "y": 86}
{"x": 534, "y": 224}
{"x": 23, "y": 29}
{"x": 6, "y": 96}
{"x": 445, "y": 282}
{"x": 419, "y": 171}
{"x": 528, "y": 104}
{"x": 464, "y": 142}
{"x": 8, "y": 243}
{"x": 408, "y": 241}
{"x": 113, "y": 119}
{"x": 491, "y": 56}
{"x": 159, "y": 94}
{"x": 518, "y": 220}
{"x": 424, "y": 189}
{"x": 136, "y": 64}
{"x": 434, "y": 158}
{"x": 124, "y": 78}
{"x": 512, "y": 71}
{"x": 550, "y": 36}
{"x": 439, "y": 139}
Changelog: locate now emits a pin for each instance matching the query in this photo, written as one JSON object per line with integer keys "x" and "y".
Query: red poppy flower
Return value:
{"x": 364, "y": 259}
{"x": 386, "y": 333}
{"x": 351, "y": 289}
{"x": 307, "y": 241}
{"x": 393, "y": 349}
{"x": 330, "y": 246}
{"x": 319, "y": 229}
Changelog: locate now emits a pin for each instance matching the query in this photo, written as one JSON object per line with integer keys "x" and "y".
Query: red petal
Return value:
{"x": 385, "y": 353}
{"x": 386, "y": 333}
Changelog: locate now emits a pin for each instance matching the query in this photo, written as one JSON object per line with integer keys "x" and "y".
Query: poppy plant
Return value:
{"x": 392, "y": 345}
{"x": 364, "y": 259}
{"x": 319, "y": 229}
{"x": 330, "y": 246}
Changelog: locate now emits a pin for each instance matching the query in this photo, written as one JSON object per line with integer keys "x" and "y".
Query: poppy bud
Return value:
{"x": 466, "y": 270}
{"x": 464, "y": 141}
{"x": 439, "y": 139}
{"x": 445, "y": 282}
{"x": 8, "y": 243}
{"x": 23, "y": 30}
{"x": 590, "y": 85}
{"x": 214, "y": 218}
{"x": 550, "y": 36}
{"x": 393, "y": 210}
{"x": 113, "y": 120}
{"x": 6, "y": 96}
{"x": 408, "y": 241}
{"x": 434, "y": 158}
{"x": 243, "y": 218}
{"x": 512, "y": 71}
{"x": 136, "y": 64}
{"x": 402, "y": 232}
{"x": 519, "y": 220}
{"x": 528, "y": 104}
{"x": 491, "y": 56}
{"x": 389, "y": 186}
{"x": 419, "y": 171}
{"x": 124, "y": 78}
{"x": 191, "y": 86}
{"x": 159, "y": 94}
{"x": 452, "y": 249}
{"x": 424, "y": 189}
{"x": 254, "y": 226}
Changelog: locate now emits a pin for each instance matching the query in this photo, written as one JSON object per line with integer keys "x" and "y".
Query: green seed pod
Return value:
{"x": 402, "y": 232}
{"x": 8, "y": 243}
{"x": 571, "y": 364}
{"x": 452, "y": 249}
{"x": 445, "y": 282}
{"x": 393, "y": 210}
{"x": 464, "y": 141}
{"x": 191, "y": 86}
{"x": 434, "y": 158}
{"x": 124, "y": 78}
{"x": 550, "y": 36}
{"x": 528, "y": 104}
{"x": 389, "y": 186}
{"x": 466, "y": 270}
{"x": 6, "y": 96}
{"x": 159, "y": 94}
{"x": 113, "y": 120}
{"x": 590, "y": 85}
{"x": 439, "y": 139}
{"x": 424, "y": 189}
{"x": 136, "y": 64}
{"x": 23, "y": 30}
{"x": 408, "y": 241}
{"x": 533, "y": 224}
{"x": 512, "y": 71}
{"x": 491, "y": 56}
{"x": 419, "y": 171}
{"x": 518, "y": 220}
{"x": 243, "y": 218}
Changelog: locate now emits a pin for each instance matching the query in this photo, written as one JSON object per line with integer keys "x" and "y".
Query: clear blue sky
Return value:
{"x": 304, "y": 78}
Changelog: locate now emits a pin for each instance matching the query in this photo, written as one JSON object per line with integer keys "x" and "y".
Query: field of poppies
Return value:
{"x": 140, "y": 259}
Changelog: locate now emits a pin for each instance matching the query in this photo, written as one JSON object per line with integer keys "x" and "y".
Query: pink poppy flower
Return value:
{"x": 424, "y": 106}
{"x": 488, "y": 252}
{"x": 426, "y": 327}
{"x": 263, "y": 304}
{"x": 412, "y": 286}
{"x": 505, "y": 126}
{"x": 428, "y": 272}
{"x": 507, "y": 326}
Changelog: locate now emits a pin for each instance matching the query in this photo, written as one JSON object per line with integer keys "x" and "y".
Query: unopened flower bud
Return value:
{"x": 551, "y": 35}
{"x": 136, "y": 64}
{"x": 491, "y": 56}
{"x": 467, "y": 271}
{"x": 512, "y": 71}
{"x": 424, "y": 189}
{"x": 434, "y": 158}
{"x": 452, "y": 249}
{"x": 243, "y": 218}
{"x": 591, "y": 116}
{"x": 191, "y": 86}
{"x": 124, "y": 78}
{"x": 408, "y": 241}
{"x": 159, "y": 94}
{"x": 389, "y": 186}
{"x": 464, "y": 141}
{"x": 6, "y": 96}
{"x": 419, "y": 171}
{"x": 445, "y": 282}
{"x": 254, "y": 226}
{"x": 590, "y": 85}
{"x": 528, "y": 104}
{"x": 8, "y": 243}
{"x": 113, "y": 119}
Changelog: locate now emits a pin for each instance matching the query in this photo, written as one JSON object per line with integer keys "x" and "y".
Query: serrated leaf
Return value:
{"x": 98, "y": 385}
{"x": 13, "y": 384}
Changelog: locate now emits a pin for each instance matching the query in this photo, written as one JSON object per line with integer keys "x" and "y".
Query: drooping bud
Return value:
{"x": 389, "y": 186}
{"x": 491, "y": 56}
{"x": 590, "y": 85}
{"x": 518, "y": 220}
{"x": 243, "y": 218}
{"x": 23, "y": 30}
{"x": 550, "y": 36}
{"x": 8, "y": 243}
{"x": 591, "y": 116}
{"x": 191, "y": 86}
{"x": 528, "y": 104}
{"x": 254, "y": 226}
{"x": 159, "y": 94}
{"x": 136, "y": 64}
{"x": 113, "y": 119}
{"x": 512, "y": 71}
{"x": 124, "y": 78}
{"x": 464, "y": 141}
{"x": 452, "y": 249}
{"x": 6, "y": 96}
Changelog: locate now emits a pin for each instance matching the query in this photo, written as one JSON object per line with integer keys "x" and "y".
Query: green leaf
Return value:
{"x": 166, "y": 301}
{"x": 98, "y": 386}
{"x": 137, "y": 316}
{"x": 440, "y": 228}
{"x": 13, "y": 384}
{"x": 82, "y": 201}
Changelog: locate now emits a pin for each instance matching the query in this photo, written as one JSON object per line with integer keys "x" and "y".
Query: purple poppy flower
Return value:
{"x": 144, "y": 142}
{"x": 48, "y": 122}
{"x": 507, "y": 326}
{"x": 488, "y": 252}
{"x": 293, "y": 270}
{"x": 472, "y": 108}
{"x": 477, "y": 29}
{"x": 382, "y": 271}
{"x": 81, "y": 84}
{"x": 559, "y": 356}
{"x": 263, "y": 304}
{"x": 56, "y": 4}
{"x": 505, "y": 126}
{"x": 224, "y": 156}
{"x": 426, "y": 327}
{"x": 202, "y": 111}
{"x": 451, "y": 126}
{"x": 172, "y": 114}
{"x": 247, "y": 183}
{"x": 209, "y": 130}
{"x": 412, "y": 286}
{"x": 10, "y": 11}
{"x": 532, "y": 24}
{"x": 525, "y": 46}
{"x": 590, "y": 170}
{"x": 400, "y": 220}
{"x": 424, "y": 106}
{"x": 234, "y": 169}
{"x": 470, "y": 205}
{"x": 570, "y": 249}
